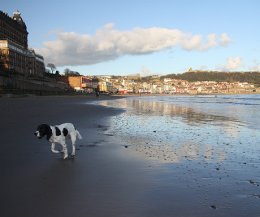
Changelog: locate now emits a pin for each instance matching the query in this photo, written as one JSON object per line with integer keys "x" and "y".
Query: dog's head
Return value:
{"x": 42, "y": 130}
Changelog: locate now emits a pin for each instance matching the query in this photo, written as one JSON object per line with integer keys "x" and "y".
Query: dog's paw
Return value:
{"x": 65, "y": 157}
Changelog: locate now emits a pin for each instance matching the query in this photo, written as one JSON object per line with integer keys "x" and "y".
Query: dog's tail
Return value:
{"x": 78, "y": 134}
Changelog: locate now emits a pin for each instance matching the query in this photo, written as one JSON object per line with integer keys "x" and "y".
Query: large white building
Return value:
{"x": 14, "y": 53}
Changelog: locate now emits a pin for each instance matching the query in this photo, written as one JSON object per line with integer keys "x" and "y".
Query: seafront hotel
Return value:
{"x": 15, "y": 54}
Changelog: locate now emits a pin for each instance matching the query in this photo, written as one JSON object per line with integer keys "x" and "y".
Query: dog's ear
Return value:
{"x": 45, "y": 129}
{"x": 48, "y": 132}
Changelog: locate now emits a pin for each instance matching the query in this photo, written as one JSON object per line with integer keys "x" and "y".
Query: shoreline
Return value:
{"x": 24, "y": 95}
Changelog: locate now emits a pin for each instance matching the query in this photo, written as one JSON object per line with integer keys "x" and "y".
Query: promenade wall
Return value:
{"x": 20, "y": 84}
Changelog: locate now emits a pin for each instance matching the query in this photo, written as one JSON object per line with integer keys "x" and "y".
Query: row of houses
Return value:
{"x": 172, "y": 86}
{"x": 89, "y": 83}
{"x": 125, "y": 85}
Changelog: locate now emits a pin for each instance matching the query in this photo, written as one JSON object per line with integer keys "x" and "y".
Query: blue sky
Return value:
{"x": 123, "y": 37}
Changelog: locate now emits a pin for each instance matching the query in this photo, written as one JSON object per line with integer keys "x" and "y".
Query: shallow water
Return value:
{"x": 189, "y": 125}
{"x": 210, "y": 144}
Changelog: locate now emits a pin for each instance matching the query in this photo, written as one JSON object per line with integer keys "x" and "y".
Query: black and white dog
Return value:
{"x": 58, "y": 134}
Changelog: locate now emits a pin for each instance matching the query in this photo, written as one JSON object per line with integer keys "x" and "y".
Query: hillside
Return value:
{"x": 250, "y": 77}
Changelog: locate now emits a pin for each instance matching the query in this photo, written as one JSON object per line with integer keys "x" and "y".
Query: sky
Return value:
{"x": 150, "y": 37}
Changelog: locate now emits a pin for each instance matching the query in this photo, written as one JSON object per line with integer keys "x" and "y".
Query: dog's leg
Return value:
{"x": 53, "y": 148}
{"x": 78, "y": 134}
{"x": 65, "y": 150}
{"x": 73, "y": 141}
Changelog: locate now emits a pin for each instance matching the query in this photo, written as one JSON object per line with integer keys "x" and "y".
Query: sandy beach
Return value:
{"x": 118, "y": 169}
{"x": 35, "y": 182}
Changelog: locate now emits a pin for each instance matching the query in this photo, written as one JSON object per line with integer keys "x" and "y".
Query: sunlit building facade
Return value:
{"x": 14, "y": 52}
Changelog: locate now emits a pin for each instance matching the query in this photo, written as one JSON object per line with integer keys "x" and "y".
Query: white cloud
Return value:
{"x": 232, "y": 63}
{"x": 146, "y": 72}
{"x": 108, "y": 43}
{"x": 224, "y": 39}
{"x": 255, "y": 66}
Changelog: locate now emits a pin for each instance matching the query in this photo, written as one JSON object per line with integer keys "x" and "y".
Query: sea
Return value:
{"x": 243, "y": 109}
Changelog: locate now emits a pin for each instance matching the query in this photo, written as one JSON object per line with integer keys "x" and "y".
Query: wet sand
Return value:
{"x": 35, "y": 182}
{"x": 206, "y": 152}
{"x": 113, "y": 174}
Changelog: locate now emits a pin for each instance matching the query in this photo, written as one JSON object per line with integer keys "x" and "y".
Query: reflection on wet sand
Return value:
{"x": 154, "y": 108}
{"x": 171, "y": 134}
{"x": 175, "y": 154}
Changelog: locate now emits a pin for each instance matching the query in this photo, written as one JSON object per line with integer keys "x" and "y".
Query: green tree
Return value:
{"x": 68, "y": 72}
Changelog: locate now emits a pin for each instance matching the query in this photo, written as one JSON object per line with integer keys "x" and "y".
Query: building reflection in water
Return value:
{"x": 172, "y": 133}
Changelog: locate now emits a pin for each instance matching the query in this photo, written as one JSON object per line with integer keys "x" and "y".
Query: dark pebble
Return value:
{"x": 213, "y": 207}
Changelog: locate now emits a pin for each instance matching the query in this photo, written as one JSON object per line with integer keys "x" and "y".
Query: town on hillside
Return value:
{"x": 156, "y": 85}
{"x": 23, "y": 70}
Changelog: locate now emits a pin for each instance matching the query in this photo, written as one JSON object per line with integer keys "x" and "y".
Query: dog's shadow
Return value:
{"x": 91, "y": 145}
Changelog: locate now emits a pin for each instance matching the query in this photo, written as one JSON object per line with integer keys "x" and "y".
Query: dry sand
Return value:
{"x": 104, "y": 179}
